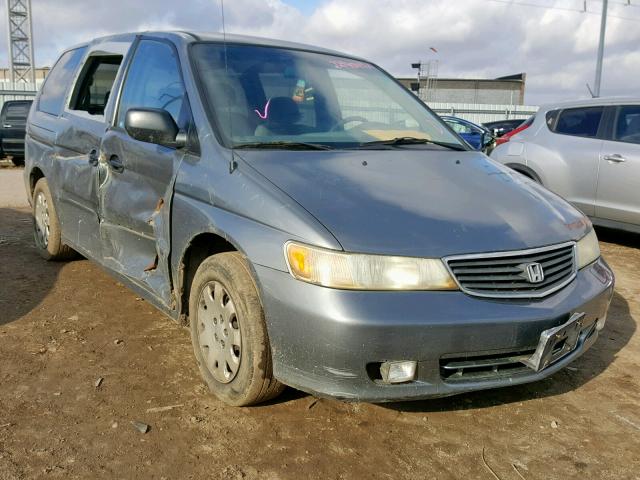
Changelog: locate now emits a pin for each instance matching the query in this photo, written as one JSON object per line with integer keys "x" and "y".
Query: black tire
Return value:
{"x": 53, "y": 248}
{"x": 253, "y": 381}
{"x": 18, "y": 162}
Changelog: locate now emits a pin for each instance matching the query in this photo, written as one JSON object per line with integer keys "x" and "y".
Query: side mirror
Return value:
{"x": 486, "y": 139}
{"x": 153, "y": 125}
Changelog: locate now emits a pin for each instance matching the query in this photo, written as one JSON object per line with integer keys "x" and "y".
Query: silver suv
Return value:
{"x": 586, "y": 151}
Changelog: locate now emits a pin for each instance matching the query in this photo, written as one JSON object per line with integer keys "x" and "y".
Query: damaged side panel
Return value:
{"x": 74, "y": 174}
{"x": 135, "y": 210}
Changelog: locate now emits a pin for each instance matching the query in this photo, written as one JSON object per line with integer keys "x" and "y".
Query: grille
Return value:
{"x": 484, "y": 367}
{"x": 504, "y": 274}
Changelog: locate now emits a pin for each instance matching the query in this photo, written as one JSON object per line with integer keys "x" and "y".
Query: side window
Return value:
{"x": 94, "y": 85}
{"x": 551, "y": 117}
{"x": 579, "y": 122}
{"x": 55, "y": 87}
{"x": 628, "y": 124}
{"x": 154, "y": 81}
{"x": 459, "y": 127}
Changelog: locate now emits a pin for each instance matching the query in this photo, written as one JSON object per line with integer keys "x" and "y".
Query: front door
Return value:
{"x": 618, "y": 197}
{"x": 136, "y": 178}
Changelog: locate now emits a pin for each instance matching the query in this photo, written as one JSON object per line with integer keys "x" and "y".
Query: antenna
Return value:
{"x": 232, "y": 161}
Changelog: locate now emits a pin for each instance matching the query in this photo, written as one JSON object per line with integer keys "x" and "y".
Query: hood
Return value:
{"x": 423, "y": 203}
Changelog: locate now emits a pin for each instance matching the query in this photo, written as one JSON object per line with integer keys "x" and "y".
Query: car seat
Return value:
{"x": 282, "y": 117}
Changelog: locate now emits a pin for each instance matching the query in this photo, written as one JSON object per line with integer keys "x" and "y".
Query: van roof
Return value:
{"x": 592, "y": 102}
{"x": 180, "y": 36}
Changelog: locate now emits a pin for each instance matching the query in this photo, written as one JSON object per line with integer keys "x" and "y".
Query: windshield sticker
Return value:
{"x": 350, "y": 65}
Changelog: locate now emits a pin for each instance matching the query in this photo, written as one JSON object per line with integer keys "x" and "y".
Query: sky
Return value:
{"x": 556, "y": 47}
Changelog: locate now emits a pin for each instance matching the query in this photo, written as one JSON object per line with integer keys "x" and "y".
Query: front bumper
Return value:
{"x": 322, "y": 339}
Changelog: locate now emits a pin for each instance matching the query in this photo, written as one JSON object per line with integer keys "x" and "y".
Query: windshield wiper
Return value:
{"x": 412, "y": 141}
{"x": 283, "y": 145}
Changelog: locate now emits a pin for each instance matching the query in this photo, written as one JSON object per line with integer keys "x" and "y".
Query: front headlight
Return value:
{"x": 588, "y": 249}
{"x": 355, "y": 271}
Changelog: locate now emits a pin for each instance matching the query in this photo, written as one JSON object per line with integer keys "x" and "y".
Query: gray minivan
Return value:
{"x": 312, "y": 221}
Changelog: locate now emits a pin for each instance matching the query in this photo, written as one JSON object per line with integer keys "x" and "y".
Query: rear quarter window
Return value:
{"x": 628, "y": 124}
{"x": 54, "y": 90}
{"x": 579, "y": 122}
{"x": 551, "y": 117}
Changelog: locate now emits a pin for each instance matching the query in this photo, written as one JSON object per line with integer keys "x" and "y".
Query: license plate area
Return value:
{"x": 555, "y": 343}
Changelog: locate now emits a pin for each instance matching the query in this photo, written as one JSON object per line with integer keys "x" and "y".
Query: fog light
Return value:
{"x": 600, "y": 323}
{"x": 398, "y": 372}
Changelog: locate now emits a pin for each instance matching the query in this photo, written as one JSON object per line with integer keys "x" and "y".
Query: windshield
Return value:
{"x": 262, "y": 96}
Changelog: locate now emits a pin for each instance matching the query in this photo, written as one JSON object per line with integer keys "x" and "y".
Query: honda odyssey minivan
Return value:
{"x": 310, "y": 220}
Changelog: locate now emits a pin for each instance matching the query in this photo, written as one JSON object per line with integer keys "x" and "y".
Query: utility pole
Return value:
{"x": 603, "y": 29}
{"x": 20, "y": 36}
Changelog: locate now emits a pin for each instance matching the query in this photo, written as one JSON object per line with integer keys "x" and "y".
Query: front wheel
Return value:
{"x": 46, "y": 226}
{"x": 228, "y": 332}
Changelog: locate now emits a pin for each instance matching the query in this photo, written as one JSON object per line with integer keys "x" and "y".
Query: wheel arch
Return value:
{"x": 526, "y": 171}
{"x": 200, "y": 247}
{"x": 34, "y": 175}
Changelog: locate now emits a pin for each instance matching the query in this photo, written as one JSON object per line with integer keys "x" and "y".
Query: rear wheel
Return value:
{"x": 46, "y": 226}
{"x": 228, "y": 332}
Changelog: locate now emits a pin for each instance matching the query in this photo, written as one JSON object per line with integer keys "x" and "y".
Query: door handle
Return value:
{"x": 93, "y": 157}
{"x": 614, "y": 158}
{"x": 116, "y": 164}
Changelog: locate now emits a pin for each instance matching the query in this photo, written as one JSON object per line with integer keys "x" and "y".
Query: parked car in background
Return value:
{"x": 13, "y": 122}
{"x": 505, "y": 137}
{"x": 501, "y": 127}
{"x": 311, "y": 220}
{"x": 586, "y": 151}
{"x": 478, "y": 137}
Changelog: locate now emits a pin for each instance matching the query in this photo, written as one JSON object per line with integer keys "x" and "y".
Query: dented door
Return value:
{"x": 136, "y": 178}
{"x": 136, "y": 183}
{"x": 74, "y": 173}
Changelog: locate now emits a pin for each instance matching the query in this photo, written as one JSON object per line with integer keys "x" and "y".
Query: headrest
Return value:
{"x": 283, "y": 110}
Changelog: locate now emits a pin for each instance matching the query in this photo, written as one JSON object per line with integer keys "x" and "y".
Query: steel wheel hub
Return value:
{"x": 41, "y": 215}
{"x": 219, "y": 332}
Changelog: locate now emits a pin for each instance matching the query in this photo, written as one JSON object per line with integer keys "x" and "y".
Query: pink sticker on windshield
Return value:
{"x": 264, "y": 115}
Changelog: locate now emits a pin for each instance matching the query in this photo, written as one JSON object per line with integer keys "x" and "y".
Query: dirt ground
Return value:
{"x": 64, "y": 326}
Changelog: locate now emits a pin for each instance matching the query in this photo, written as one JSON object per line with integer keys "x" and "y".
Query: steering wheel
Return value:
{"x": 344, "y": 121}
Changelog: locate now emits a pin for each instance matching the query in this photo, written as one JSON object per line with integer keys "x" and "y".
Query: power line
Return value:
{"x": 565, "y": 9}
{"x": 537, "y": 5}
{"x": 619, "y": 3}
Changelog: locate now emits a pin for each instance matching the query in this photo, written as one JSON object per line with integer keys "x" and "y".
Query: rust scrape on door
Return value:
{"x": 152, "y": 221}
{"x": 156, "y": 211}
{"x": 153, "y": 265}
